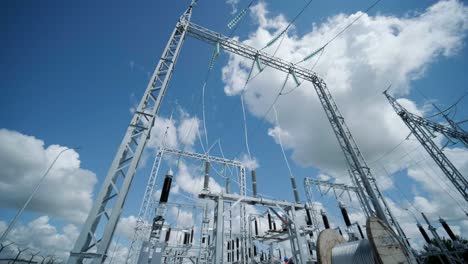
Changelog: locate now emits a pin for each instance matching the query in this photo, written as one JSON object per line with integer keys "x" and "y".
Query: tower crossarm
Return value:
{"x": 429, "y": 124}
{"x": 200, "y": 156}
{"x": 452, "y": 173}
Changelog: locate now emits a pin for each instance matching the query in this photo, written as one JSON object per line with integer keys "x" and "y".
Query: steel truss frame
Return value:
{"x": 97, "y": 232}
{"x": 417, "y": 129}
{"x": 357, "y": 165}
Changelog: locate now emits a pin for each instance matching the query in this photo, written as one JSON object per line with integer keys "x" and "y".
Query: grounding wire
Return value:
{"x": 442, "y": 186}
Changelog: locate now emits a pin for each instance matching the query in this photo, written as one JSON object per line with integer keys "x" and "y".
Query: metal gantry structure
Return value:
{"x": 96, "y": 234}
{"x": 420, "y": 128}
{"x": 98, "y": 229}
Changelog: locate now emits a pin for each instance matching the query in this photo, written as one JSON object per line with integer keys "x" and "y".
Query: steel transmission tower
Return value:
{"x": 419, "y": 127}
{"x": 96, "y": 234}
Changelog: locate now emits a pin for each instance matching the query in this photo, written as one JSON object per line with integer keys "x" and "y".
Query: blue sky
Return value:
{"x": 71, "y": 71}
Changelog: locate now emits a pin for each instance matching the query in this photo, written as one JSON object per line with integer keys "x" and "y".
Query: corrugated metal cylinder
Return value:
{"x": 355, "y": 252}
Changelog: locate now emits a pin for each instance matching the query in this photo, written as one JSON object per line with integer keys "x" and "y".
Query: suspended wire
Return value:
{"x": 245, "y": 127}
{"x": 340, "y": 32}
{"x": 281, "y": 144}
{"x": 390, "y": 151}
{"x": 277, "y": 96}
{"x": 452, "y": 105}
{"x": 442, "y": 186}
{"x": 288, "y": 26}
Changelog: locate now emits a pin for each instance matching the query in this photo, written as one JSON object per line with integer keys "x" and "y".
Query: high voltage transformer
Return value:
{"x": 309, "y": 243}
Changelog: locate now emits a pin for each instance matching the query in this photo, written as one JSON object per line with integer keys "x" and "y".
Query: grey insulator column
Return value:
{"x": 294, "y": 186}
{"x": 206, "y": 180}
{"x": 254, "y": 183}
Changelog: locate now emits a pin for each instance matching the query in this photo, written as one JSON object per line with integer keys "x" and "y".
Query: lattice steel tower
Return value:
{"x": 420, "y": 128}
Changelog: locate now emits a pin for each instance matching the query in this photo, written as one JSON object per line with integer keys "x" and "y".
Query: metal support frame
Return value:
{"x": 451, "y": 258}
{"x": 324, "y": 187}
{"x": 96, "y": 234}
{"x": 143, "y": 219}
{"x": 357, "y": 165}
{"x": 417, "y": 129}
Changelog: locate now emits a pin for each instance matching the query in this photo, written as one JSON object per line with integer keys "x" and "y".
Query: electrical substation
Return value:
{"x": 236, "y": 223}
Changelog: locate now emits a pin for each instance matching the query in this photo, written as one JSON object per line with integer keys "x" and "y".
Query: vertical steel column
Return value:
{"x": 97, "y": 232}
{"x": 218, "y": 234}
{"x": 142, "y": 219}
{"x": 243, "y": 217}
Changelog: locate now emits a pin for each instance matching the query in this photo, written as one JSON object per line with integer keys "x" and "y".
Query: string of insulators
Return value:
{"x": 191, "y": 236}
{"x": 448, "y": 230}
{"x": 228, "y": 251}
{"x": 256, "y": 227}
{"x": 237, "y": 18}
{"x": 166, "y": 188}
{"x": 228, "y": 185}
{"x": 360, "y": 230}
{"x": 424, "y": 234}
{"x": 206, "y": 180}
{"x": 309, "y": 218}
{"x": 312, "y": 54}
{"x": 270, "y": 225}
{"x": 274, "y": 225}
{"x": 215, "y": 55}
{"x": 325, "y": 220}
{"x": 168, "y": 235}
{"x": 345, "y": 215}
{"x": 255, "y": 250}
{"x": 258, "y": 63}
{"x": 186, "y": 238}
{"x": 279, "y": 252}
{"x": 254, "y": 183}
{"x": 294, "y": 186}
{"x": 296, "y": 80}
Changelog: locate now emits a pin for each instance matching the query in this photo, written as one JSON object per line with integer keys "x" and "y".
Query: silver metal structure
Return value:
{"x": 96, "y": 234}
{"x": 356, "y": 162}
{"x": 417, "y": 129}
